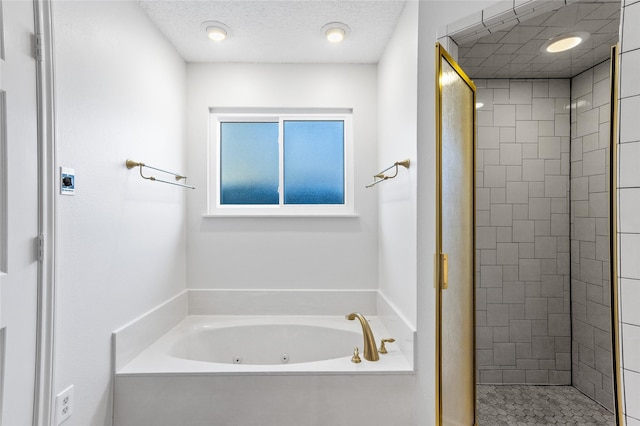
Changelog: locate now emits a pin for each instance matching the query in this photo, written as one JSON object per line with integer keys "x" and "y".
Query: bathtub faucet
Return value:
{"x": 370, "y": 349}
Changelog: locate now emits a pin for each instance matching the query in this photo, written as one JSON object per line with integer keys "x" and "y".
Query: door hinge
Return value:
{"x": 41, "y": 248}
{"x": 37, "y": 47}
{"x": 444, "y": 271}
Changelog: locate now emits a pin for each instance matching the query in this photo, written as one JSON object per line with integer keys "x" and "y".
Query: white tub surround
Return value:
{"x": 168, "y": 382}
{"x": 162, "y": 387}
{"x": 183, "y": 350}
{"x": 128, "y": 341}
{"x": 132, "y": 339}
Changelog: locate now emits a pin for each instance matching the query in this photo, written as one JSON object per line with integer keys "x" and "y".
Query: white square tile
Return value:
{"x": 507, "y": 134}
{"x": 582, "y": 84}
{"x": 546, "y": 128}
{"x": 488, "y": 138}
{"x": 523, "y": 112}
{"x": 555, "y": 186}
{"x": 530, "y": 150}
{"x": 629, "y": 159}
{"x": 629, "y": 297}
{"x": 501, "y": 215}
{"x": 486, "y": 97}
{"x": 520, "y": 92}
{"x": 601, "y": 93}
{"x": 598, "y": 204}
{"x": 588, "y": 122}
{"x": 543, "y": 109}
{"x": 533, "y": 170}
{"x": 485, "y": 118}
{"x": 498, "y": 195}
{"x": 527, "y": 131}
{"x": 629, "y": 201}
{"x": 549, "y": 147}
{"x": 632, "y": 393}
{"x": 560, "y": 88}
{"x": 494, "y": 177}
{"x": 510, "y": 154}
{"x": 483, "y": 201}
{"x": 604, "y": 136}
{"x": 629, "y": 123}
{"x": 485, "y": 237}
{"x": 504, "y": 115}
{"x": 630, "y": 28}
{"x": 631, "y": 347}
{"x": 630, "y": 421}
{"x": 629, "y": 255}
{"x": 594, "y": 162}
{"x": 580, "y": 189}
{"x": 491, "y": 157}
{"x": 540, "y": 208}
{"x": 576, "y": 149}
{"x": 563, "y": 127}
{"x": 590, "y": 142}
{"x": 541, "y": 89}
{"x": 602, "y": 70}
{"x": 500, "y": 96}
{"x": 500, "y": 83}
{"x": 517, "y": 192}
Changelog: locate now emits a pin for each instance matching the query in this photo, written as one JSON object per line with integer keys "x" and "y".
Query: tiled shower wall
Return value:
{"x": 592, "y": 367}
{"x": 522, "y": 235}
{"x": 628, "y": 205}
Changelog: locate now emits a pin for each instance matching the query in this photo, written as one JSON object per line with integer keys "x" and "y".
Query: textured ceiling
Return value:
{"x": 276, "y": 31}
{"x": 513, "y": 48}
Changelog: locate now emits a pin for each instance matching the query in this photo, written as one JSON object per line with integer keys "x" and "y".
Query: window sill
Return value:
{"x": 280, "y": 214}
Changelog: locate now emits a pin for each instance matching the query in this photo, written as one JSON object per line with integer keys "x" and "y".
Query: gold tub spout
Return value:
{"x": 370, "y": 349}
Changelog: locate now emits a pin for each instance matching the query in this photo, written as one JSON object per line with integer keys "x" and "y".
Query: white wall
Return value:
{"x": 628, "y": 204}
{"x": 397, "y": 111}
{"x": 283, "y": 253}
{"x": 120, "y": 90}
{"x": 432, "y": 15}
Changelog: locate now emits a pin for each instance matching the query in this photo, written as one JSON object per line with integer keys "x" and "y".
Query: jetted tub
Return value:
{"x": 266, "y": 371}
{"x": 268, "y": 344}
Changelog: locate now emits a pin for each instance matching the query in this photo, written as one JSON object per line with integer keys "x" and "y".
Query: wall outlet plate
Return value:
{"x": 67, "y": 181}
{"x": 64, "y": 405}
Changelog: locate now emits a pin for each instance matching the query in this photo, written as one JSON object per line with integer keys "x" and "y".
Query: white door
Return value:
{"x": 18, "y": 287}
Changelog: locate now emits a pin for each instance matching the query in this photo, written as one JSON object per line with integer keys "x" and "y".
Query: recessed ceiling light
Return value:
{"x": 564, "y": 42}
{"x": 216, "y": 31}
{"x": 335, "y": 32}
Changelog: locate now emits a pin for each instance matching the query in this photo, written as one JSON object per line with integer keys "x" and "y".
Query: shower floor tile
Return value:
{"x": 523, "y": 405}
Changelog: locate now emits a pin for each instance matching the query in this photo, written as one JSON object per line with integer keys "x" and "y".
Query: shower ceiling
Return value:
{"x": 276, "y": 31}
{"x": 514, "y": 50}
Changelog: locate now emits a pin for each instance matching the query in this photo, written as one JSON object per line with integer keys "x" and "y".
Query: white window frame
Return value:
{"x": 220, "y": 115}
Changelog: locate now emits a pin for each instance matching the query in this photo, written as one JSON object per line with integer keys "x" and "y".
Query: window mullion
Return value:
{"x": 281, "y": 160}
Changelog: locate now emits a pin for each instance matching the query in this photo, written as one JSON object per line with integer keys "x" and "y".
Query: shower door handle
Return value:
{"x": 444, "y": 271}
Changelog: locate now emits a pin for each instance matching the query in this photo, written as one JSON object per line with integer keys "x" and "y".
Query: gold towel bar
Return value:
{"x": 381, "y": 177}
{"x": 131, "y": 164}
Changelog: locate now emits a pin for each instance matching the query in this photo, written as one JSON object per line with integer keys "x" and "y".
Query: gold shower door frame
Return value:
{"x": 455, "y": 245}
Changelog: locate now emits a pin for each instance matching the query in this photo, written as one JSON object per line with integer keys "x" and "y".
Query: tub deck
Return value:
{"x": 157, "y": 358}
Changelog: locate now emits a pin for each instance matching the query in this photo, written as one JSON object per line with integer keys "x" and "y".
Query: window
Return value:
{"x": 291, "y": 163}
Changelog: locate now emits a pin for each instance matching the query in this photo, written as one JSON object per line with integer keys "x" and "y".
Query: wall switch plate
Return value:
{"x": 64, "y": 405}
{"x": 67, "y": 181}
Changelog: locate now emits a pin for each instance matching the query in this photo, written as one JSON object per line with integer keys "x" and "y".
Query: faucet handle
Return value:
{"x": 383, "y": 349}
{"x": 356, "y": 355}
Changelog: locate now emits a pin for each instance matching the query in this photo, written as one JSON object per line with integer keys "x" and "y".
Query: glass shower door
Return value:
{"x": 455, "y": 319}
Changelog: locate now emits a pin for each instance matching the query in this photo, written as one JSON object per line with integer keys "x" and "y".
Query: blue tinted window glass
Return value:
{"x": 314, "y": 162}
{"x": 249, "y": 163}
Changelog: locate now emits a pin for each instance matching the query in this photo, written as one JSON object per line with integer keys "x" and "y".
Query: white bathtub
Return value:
{"x": 211, "y": 344}
{"x": 294, "y": 370}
